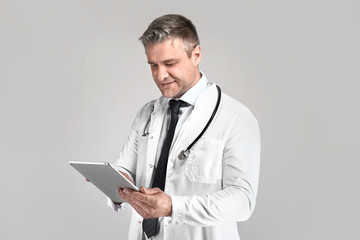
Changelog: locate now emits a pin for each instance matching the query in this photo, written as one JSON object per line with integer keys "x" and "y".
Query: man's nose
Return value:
{"x": 162, "y": 73}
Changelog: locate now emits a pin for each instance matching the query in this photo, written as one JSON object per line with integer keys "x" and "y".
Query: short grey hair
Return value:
{"x": 171, "y": 26}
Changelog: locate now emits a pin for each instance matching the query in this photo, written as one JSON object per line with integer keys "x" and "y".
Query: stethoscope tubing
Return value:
{"x": 185, "y": 153}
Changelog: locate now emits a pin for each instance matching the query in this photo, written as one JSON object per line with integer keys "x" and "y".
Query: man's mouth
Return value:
{"x": 167, "y": 84}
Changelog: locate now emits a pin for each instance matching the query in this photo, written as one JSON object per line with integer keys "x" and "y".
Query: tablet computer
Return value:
{"x": 105, "y": 177}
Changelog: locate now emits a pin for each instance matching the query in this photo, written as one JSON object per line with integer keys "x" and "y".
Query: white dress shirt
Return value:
{"x": 217, "y": 185}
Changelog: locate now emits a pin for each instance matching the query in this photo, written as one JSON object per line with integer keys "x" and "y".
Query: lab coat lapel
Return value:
{"x": 156, "y": 120}
{"x": 198, "y": 119}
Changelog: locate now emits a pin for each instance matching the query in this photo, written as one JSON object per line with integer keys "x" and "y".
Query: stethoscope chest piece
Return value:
{"x": 183, "y": 155}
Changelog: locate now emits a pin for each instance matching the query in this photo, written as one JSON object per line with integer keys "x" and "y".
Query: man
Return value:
{"x": 203, "y": 195}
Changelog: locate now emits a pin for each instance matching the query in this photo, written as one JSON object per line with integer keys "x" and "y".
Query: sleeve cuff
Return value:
{"x": 117, "y": 207}
{"x": 178, "y": 212}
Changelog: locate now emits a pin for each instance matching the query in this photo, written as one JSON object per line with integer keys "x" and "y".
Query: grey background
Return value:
{"x": 73, "y": 76}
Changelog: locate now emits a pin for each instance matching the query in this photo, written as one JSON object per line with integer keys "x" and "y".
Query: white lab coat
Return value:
{"x": 217, "y": 185}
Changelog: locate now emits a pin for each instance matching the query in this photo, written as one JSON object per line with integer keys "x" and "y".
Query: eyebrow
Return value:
{"x": 166, "y": 61}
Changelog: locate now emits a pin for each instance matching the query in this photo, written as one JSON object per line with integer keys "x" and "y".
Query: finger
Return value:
{"x": 139, "y": 208}
{"x": 135, "y": 194}
{"x": 147, "y": 203}
{"x": 144, "y": 209}
{"x": 125, "y": 197}
{"x": 143, "y": 190}
{"x": 150, "y": 190}
{"x": 119, "y": 192}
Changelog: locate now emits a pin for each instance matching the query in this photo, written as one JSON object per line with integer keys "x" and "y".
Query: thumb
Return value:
{"x": 150, "y": 190}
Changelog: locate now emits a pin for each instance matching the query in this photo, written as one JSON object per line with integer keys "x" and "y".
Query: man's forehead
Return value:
{"x": 166, "y": 44}
{"x": 167, "y": 50}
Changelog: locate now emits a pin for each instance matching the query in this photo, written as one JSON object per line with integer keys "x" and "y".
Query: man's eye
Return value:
{"x": 169, "y": 64}
{"x": 153, "y": 65}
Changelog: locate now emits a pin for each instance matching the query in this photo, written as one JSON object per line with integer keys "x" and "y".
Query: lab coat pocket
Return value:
{"x": 204, "y": 164}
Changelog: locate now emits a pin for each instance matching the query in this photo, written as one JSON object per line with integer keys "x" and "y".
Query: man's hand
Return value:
{"x": 149, "y": 202}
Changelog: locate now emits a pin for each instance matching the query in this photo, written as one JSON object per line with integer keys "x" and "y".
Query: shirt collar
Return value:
{"x": 193, "y": 93}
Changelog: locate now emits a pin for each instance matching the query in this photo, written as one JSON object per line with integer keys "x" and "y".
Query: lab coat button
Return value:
{"x": 150, "y": 165}
{"x": 151, "y": 137}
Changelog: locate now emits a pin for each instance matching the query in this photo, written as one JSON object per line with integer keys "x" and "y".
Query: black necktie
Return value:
{"x": 150, "y": 225}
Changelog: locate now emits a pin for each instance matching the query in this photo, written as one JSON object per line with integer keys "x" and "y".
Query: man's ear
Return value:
{"x": 196, "y": 55}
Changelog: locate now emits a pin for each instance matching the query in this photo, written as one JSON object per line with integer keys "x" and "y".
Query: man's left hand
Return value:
{"x": 148, "y": 202}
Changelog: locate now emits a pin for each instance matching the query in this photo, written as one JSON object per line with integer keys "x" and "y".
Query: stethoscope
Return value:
{"x": 183, "y": 155}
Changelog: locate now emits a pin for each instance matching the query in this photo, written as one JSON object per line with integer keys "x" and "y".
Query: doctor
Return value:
{"x": 204, "y": 194}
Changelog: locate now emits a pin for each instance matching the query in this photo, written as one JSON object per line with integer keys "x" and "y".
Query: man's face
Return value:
{"x": 173, "y": 71}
